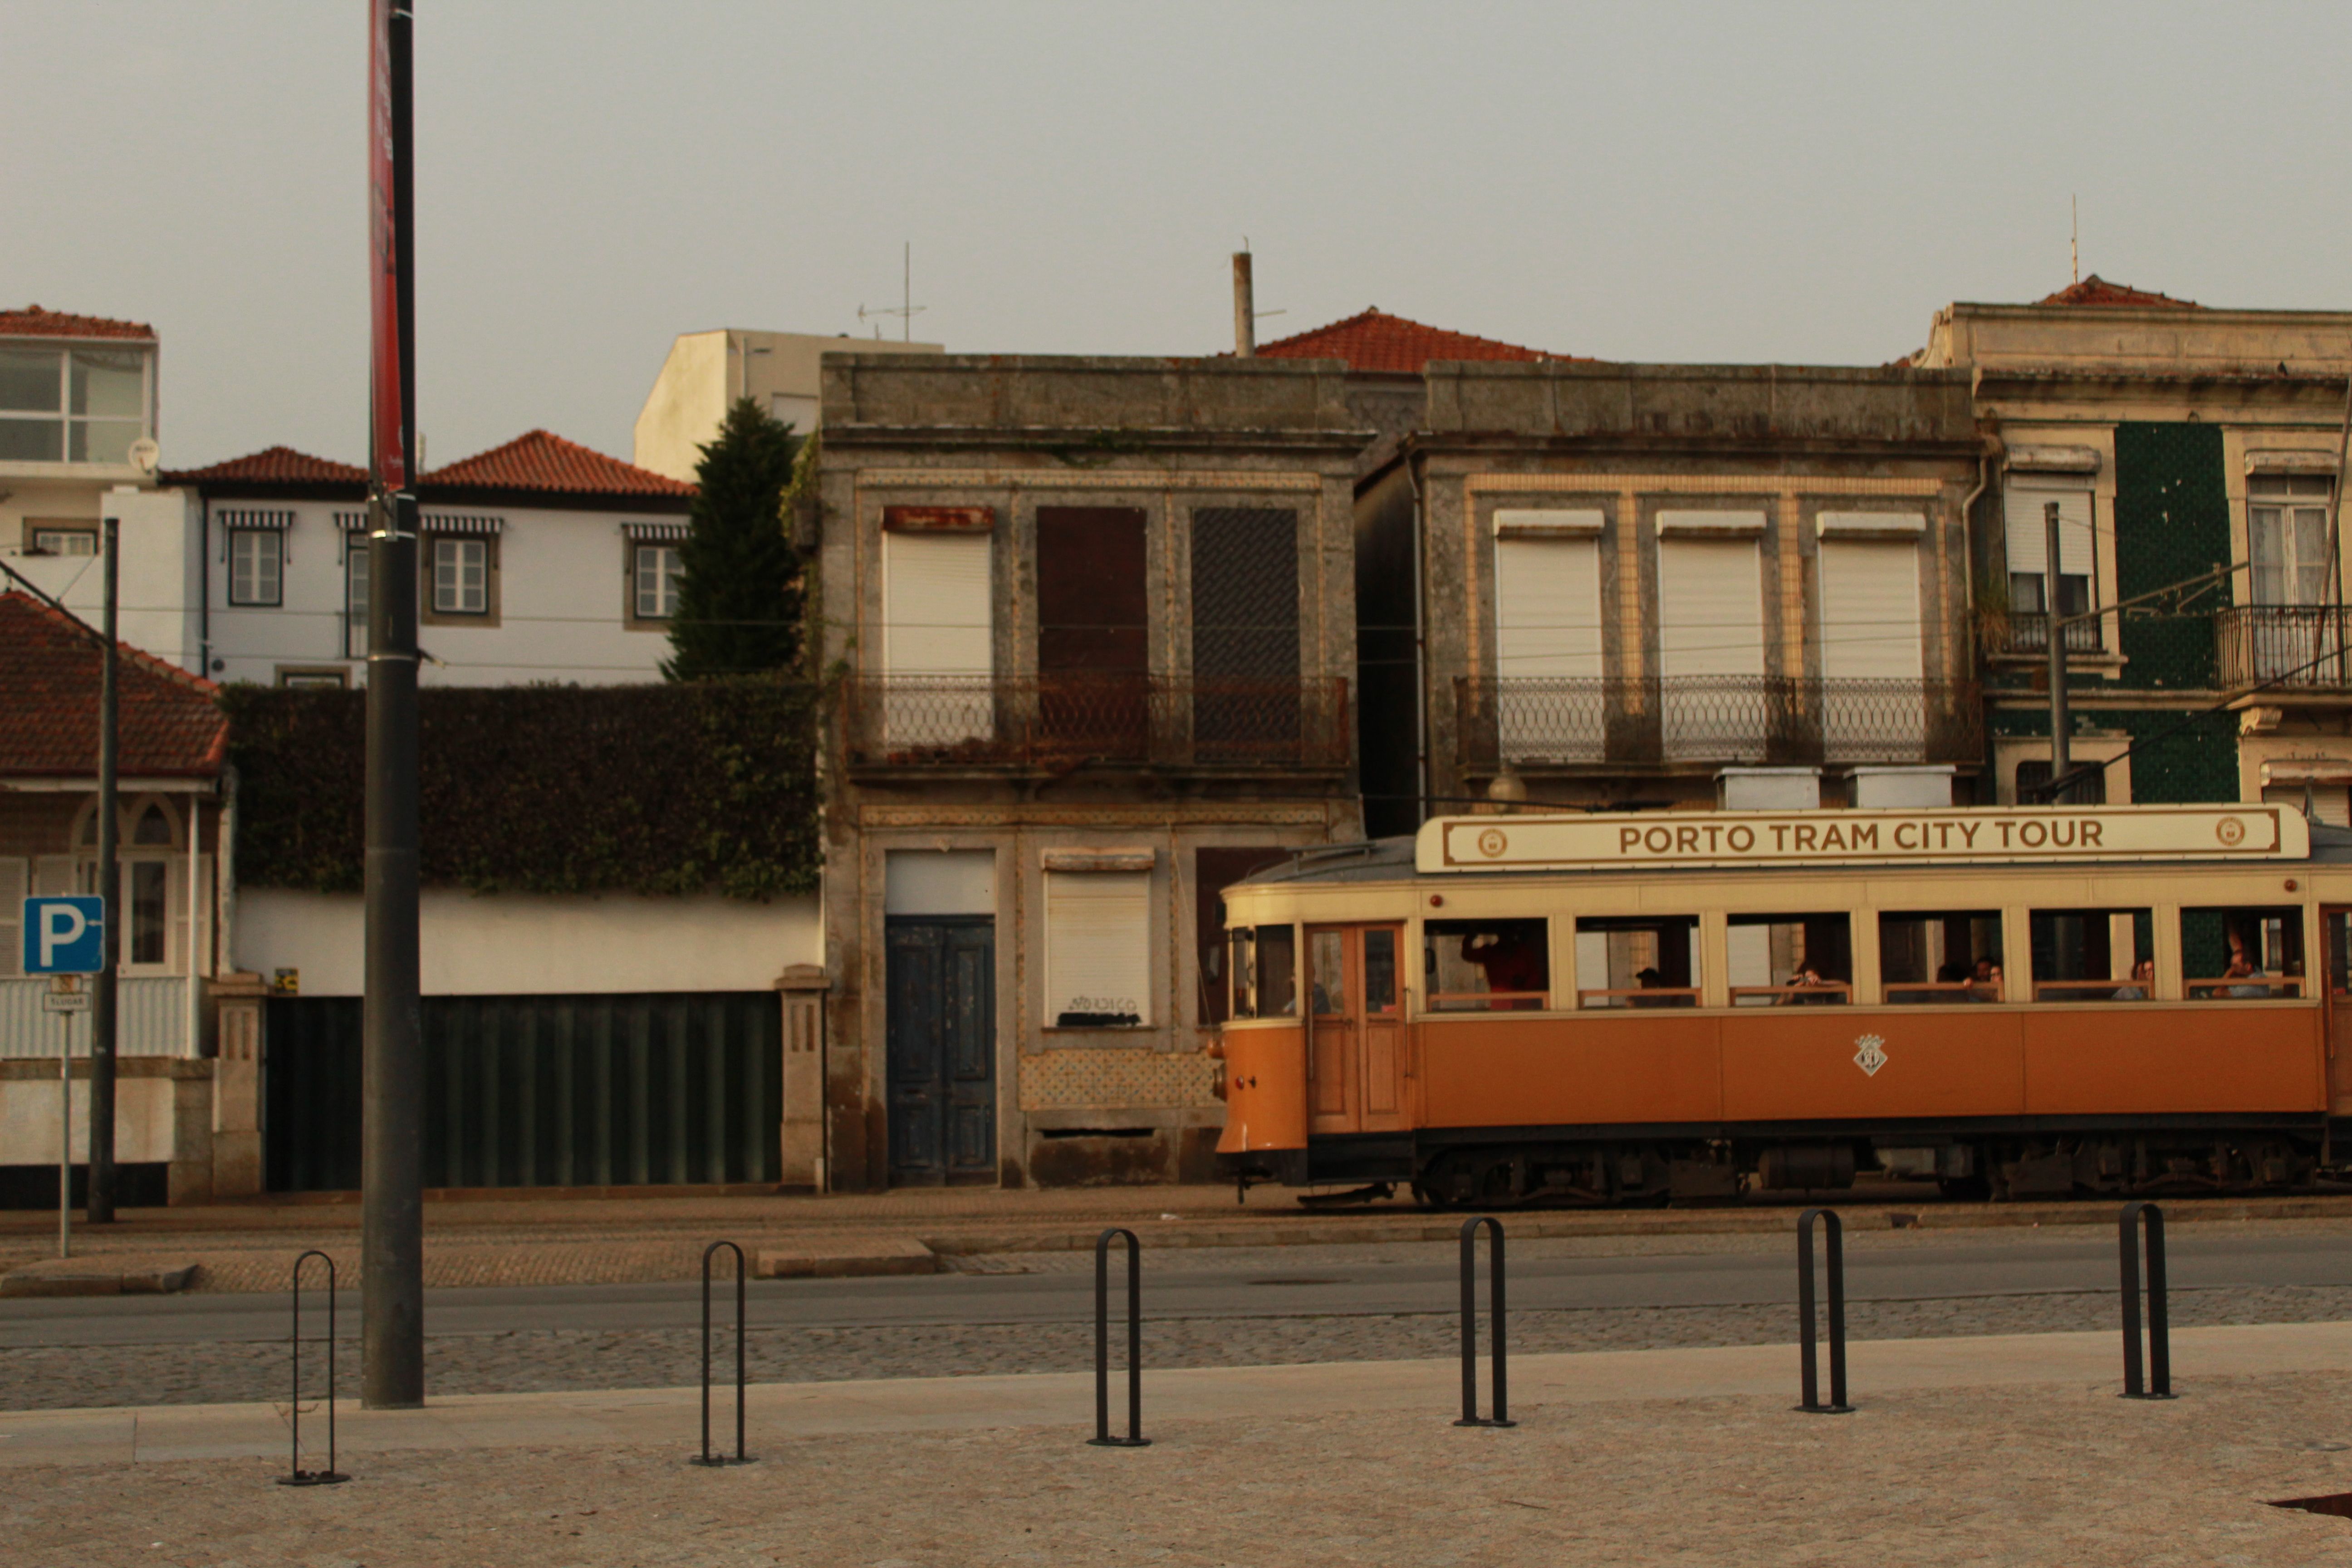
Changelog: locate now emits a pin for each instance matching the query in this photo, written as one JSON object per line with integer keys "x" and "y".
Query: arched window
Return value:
{"x": 154, "y": 827}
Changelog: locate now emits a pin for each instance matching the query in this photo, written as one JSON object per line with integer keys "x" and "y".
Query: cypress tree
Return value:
{"x": 739, "y": 592}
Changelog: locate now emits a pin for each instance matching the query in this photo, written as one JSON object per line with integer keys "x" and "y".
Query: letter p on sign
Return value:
{"x": 65, "y": 936}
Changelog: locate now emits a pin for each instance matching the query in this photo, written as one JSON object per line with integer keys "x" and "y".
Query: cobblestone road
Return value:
{"x": 53, "y": 1378}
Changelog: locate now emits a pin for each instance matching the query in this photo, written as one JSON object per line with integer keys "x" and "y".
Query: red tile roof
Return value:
{"x": 272, "y": 465}
{"x": 1375, "y": 343}
{"x": 541, "y": 461}
{"x": 32, "y": 321}
{"x": 2096, "y": 290}
{"x": 49, "y": 668}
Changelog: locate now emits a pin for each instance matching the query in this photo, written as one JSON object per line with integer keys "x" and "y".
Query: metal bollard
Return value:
{"x": 1134, "y": 1438}
{"x": 706, "y": 1456}
{"x": 1494, "y": 1275}
{"x": 296, "y": 1476}
{"x": 2160, "y": 1337}
{"x": 1810, "y": 1375}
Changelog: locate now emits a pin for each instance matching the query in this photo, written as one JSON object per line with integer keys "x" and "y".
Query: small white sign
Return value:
{"x": 1870, "y": 1054}
{"x": 64, "y": 1002}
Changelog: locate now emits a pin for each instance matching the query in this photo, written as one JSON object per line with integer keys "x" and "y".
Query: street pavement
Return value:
{"x": 1335, "y": 1281}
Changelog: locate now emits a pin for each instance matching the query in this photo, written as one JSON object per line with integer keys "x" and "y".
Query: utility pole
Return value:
{"x": 104, "y": 1012}
{"x": 2060, "y": 721}
{"x": 392, "y": 1087}
{"x": 1244, "y": 308}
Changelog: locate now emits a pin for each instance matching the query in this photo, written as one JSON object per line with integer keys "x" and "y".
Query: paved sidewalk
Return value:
{"x": 638, "y": 1239}
{"x": 2009, "y": 1450}
{"x": 1540, "y": 1386}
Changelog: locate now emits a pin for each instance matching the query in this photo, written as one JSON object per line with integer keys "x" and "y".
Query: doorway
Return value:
{"x": 1356, "y": 1065}
{"x": 940, "y": 1012}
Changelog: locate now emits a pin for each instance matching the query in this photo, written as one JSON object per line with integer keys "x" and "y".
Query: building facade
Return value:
{"x": 1093, "y": 625}
{"x": 186, "y": 1127}
{"x": 2191, "y": 454}
{"x": 1604, "y": 585}
{"x": 705, "y": 373}
{"x": 539, "y": 560}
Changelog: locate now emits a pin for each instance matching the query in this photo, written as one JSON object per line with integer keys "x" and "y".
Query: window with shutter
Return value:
{"x": 2021, "y": 512}
{"x": 1098, "y": 949}
{"x": 1870, "y": 631}
{"x": 2327, "y": 803}
{"x": 1548, "y": 636}
{"x": 1093, "y": 640}
{"x": 936, "y": 638}
{"x": 1711, "y": 647}
{"x": 1244, "y": 633}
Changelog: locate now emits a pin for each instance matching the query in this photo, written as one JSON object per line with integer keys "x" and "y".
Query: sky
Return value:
{"x": 1799, "y": 183}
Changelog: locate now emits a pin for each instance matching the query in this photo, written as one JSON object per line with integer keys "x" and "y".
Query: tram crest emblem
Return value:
{"x": 1870, "y": 1054}
{"x": 1493, "y": 842}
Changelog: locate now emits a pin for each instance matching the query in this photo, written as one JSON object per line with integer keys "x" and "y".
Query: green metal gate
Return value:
{"x": 663, "y": 1088}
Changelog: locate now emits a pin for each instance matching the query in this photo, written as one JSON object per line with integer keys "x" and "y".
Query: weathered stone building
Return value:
{"x": 2192, "y": 454}
{"x": 1093, "y": 622}
{"x": 1606, "y": 584}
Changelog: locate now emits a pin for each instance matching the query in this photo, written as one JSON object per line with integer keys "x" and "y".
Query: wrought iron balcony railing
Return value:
{"x": 1062, "y": 720}
{"x": 2028, "y": 632}
{"x": 2295, "y": 648}
{"x": 1540, "y": 722}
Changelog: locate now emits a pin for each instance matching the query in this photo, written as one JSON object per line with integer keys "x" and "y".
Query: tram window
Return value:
{"x": 2242, "y": 955}
{"x": 1637, "y": 960}
{"x": 1263, "y": 966}
{"x": 1778, "y": 960}
{"x": 1502, "y": 965}
{"x": 1927, "y": 957}
{"x": 2093, "y": 955}
{"x": 2336, "y": 931}
{"x": 1326, "y": 971}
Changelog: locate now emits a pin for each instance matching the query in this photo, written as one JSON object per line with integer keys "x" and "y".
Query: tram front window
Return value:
{"x": 1939, "y": 957}
{"x": 2093, "y": 955}
{"x": 1637, "y": 960}
{"x": 2241, "y": 955}
{"x": 1783, "y": 960}
{"x": 1499, "y": 966}
{"x": 1264, "y": 970}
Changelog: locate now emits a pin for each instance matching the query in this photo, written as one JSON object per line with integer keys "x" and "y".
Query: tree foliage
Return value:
{"x": 739, "y": 600}
{"x": 708, "y": 788}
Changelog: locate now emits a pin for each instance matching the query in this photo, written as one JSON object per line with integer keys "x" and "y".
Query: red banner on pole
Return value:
{"x": 386, "y": 416}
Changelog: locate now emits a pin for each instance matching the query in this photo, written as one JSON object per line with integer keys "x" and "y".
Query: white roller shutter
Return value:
{"x": 1098, "y": 945}
{"x": 2028, "y": 533}
{"x": 1548, "y": 608}
{"x": 2331, "y": 804}
{"x": 1870, "y": 610}
{"x": 936, "y": 605}
{"x": 1710, "y": 624}
{"x": 1710, "y": 607}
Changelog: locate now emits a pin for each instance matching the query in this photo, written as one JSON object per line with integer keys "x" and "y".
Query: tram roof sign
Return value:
{"x": 1981, "y": 835}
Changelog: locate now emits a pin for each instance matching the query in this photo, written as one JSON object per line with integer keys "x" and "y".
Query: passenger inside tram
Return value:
{"x": 1496, "y": 966}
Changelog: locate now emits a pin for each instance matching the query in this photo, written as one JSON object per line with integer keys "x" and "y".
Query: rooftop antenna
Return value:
{"x": 2074, "y": 245}
{"x": 906, "y": 310}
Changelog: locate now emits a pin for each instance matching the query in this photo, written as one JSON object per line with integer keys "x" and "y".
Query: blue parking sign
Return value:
{"x": 65, "y": 936}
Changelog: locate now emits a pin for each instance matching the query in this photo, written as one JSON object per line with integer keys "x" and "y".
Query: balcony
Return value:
{"x": 1537, "y": 723}
{"x": 2026, "y": 634}
{"x": 2283, "y": 648}
{"x": 1052, "y": 723}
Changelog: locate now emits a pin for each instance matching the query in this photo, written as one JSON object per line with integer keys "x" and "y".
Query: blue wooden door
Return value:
{"x": 941, "y": 1006}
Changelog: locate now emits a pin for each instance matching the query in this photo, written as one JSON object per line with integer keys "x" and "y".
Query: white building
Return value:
{"x": 541, "y": 560}
{"x": 707, "y": 372}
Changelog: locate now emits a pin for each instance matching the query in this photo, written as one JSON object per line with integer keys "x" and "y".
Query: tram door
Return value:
{"x": 2335, "y": 936}
{"x": 1356, "y": 1046}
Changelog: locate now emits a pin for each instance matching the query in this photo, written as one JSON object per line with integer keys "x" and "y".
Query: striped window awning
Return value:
{"x": 459, "y": 522}
{"x": 351, "y": 522}
{"x": 655, "y": 533}
{"x": 278, "y": 521}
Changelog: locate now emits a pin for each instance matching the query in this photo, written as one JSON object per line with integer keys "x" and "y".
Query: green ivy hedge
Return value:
{"x": 687, "y": 788}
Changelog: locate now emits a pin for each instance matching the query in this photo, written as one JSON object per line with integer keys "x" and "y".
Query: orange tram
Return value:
{"x": 1618, "y": 1008}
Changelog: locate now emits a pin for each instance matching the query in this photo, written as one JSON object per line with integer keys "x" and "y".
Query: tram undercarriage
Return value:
{"x": 1535, "y": 1168}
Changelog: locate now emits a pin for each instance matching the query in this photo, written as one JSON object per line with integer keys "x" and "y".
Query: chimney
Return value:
{"x": 1244, "y": 308}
